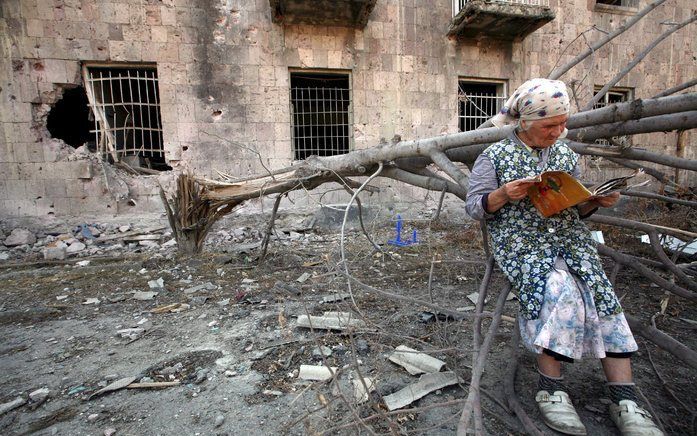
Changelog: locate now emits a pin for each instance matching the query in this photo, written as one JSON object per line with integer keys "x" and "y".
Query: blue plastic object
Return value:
{"x": 398, "y": 241}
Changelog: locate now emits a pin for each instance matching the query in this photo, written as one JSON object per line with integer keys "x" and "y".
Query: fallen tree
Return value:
{"x": 198, "y": 202}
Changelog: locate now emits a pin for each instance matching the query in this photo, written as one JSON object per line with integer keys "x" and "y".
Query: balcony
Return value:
{"x": 510, "y": 20}
{"x": 345, "y": 13}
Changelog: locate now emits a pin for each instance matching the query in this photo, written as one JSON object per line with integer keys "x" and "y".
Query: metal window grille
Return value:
{"x": 625, "y": 3}
{"x": 611, "y": 97}
{"x": 458, "y": 5}
{"x": 477, "y": 102}
{"x": 126, "y": 107}
{"x": 320, "y": 114}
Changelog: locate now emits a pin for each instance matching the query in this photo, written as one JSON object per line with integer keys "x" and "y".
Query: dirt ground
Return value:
{"x": 236, "y": 350}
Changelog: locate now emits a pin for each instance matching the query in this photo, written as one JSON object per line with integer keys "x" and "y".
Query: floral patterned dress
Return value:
{"x": 566, "y": 301}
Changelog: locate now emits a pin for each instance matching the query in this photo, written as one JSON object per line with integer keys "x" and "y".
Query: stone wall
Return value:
{"x": 223, "y": 69}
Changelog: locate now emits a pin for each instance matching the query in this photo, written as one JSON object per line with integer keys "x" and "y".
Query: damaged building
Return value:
{"x": 101, "y": 101}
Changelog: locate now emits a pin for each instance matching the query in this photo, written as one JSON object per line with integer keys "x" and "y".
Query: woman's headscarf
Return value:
{"x": 534, "y": 100}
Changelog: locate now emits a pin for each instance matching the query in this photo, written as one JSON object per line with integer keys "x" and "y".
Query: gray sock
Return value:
{"x": 550, "y": 384}
{"x": 622, "y": 391}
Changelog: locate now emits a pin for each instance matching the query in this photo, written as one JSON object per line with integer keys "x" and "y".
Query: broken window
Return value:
{"x": 614, "y": 95}
{"x": 320, "y": 105}
{"x": 125, "y": 102}
{"x": 477, "y": 101}
{"x": 620, "y": 5}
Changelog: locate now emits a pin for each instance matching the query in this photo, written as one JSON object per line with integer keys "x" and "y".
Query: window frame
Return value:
{"x": 296, "y": 152}
{"x": 501, "y": 96}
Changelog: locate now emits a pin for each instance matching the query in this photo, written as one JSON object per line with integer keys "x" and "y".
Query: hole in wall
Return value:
{"x": 69, "y": 118}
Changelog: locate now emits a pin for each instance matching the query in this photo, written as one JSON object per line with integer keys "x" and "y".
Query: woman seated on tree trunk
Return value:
{"x": 567, "y": 306}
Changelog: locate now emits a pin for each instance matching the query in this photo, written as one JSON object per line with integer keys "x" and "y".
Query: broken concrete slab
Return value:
{"x": 156, "y": 284}
{"x": 335, "y": 297}
{"x": 360, "y": 394}
{"x": 414, "y": 361}
{"x": 316, "y": 372}
{"x": 11, "y": 405}
{"x": 55, "y": 253}
{"x": 331, "y": 321}
{"x": 144, "y": 296}
{"x": 427, "y": 383}
{"x": 208, "y": 286}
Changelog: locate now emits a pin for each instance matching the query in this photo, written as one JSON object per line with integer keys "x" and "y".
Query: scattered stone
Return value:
{"x": 316, "y": 372}
{"x": 323, "y": 351}
{"x": 4, "y": 255}
{"x": 61, "y": 297}
{"x": 206, "y": 286}
{"x": 223, "y": 303}
{"x": 124, "y": 229}
{"x": 83, "y": 263}
{"x": 132, "y": 333}
{"x": 229, "y": 373}
{"x": 55, "y": 253}
{"x": 39, "y": 395}
{"x": 110, "y": 431}
{"x": 75, "y": 247}
{"x": 157, "y": 284}
{"x": 362, "y": 346}
{"x": 6, "y": 407}
{"x": 272, "y": 392}
{"x": 201, "y": 376}
{"x": 219, "y": 420}
{"x": 20, "y": 237}
{"x": 303, "y": 277}
{"x": 414, "y": 361}
{"x": 91, "y": 301}
{"x": 144, "y": 295}
{"x": 93, "y": 417}
{"x": 331, "y": 321}
{"x": 359, "y": 389}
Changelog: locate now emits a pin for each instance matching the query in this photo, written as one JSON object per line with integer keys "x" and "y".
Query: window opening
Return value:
{"x": 458, "y": 5}
{"x": 625, "y": 3}
{"x": 320, "y": 105}
{"x": 125, "y": 101}
{"x": 614, "y": 95}
{"x": 478, "y": 101}
{"x": 69, "y": 118}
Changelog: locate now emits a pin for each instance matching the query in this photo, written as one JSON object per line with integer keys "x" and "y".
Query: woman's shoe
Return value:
{"x": 632, "y": 420}
{"x": 558, "y": 412}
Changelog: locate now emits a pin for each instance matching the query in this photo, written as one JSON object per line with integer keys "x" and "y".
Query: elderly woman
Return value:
{"x": 567, "y": 306}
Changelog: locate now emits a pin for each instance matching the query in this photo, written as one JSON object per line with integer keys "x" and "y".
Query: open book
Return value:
{"x": 554, "y": 191}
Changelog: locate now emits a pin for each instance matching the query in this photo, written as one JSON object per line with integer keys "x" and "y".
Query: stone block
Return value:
{"x": 136, "y": 32}
{"x": 125, "y": 51}
{"x": 158, "y": 33}
{"x": 113, "y": 13}
{"x": 15, "y": 189}
{"x": 55, "y": 253}
{"x": 56, "y": 188}
{"x": 168, "y": 15}
{"x": 35, "y": 27}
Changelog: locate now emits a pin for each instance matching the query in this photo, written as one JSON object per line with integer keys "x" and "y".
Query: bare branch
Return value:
{"x": 663, "y": 341}
{"x": 678, "y": 88}
{"x": 638, "y": 58}
{"x": 558, "y": 72}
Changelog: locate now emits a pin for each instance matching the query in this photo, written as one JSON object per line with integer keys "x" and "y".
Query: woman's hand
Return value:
{"x": 517, "y": 189}
{"x": 607, "y": 200}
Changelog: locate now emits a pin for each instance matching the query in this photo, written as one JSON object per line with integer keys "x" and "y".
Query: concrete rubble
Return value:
{"x": 415, "y": 362}
{"x": 331, "y": 321}
{"x": 427, "y": 383}
{"x": 316, "y": 372}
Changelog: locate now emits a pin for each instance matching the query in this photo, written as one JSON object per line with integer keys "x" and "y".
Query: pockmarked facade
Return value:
{"x": 102, "y": 99}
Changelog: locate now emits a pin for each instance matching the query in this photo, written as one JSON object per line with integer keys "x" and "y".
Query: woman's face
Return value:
{"x": 543, "y": 133}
